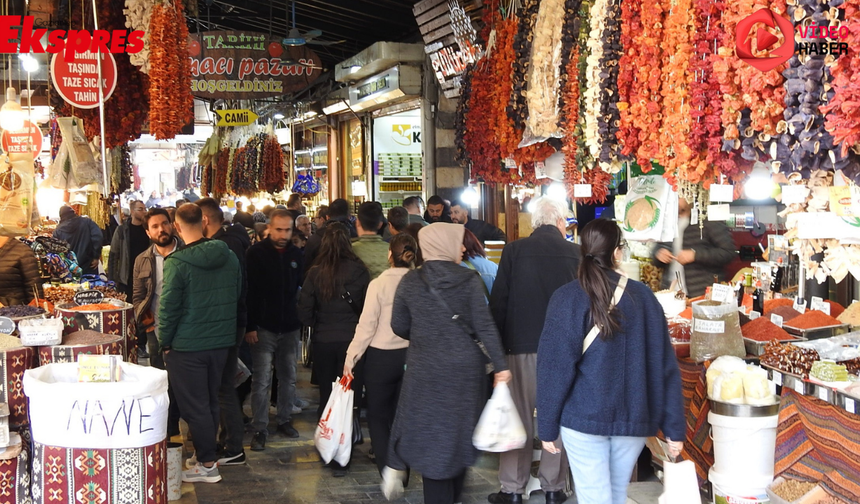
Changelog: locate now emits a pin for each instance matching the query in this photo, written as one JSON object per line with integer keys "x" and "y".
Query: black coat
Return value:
{"x": 312, "y": 247}
{"x": 19, "y": 273}
{"x": 530, "y": 271}
{"x": 715, "y": 249}
{"x": 485, "y": 231}
{"x": 237, "y": 240}
{"x": 444, "y": 385}
{"x": 273, "y": 283}
{"x": 84, "y": 237}
{"x": 334, "y": 320}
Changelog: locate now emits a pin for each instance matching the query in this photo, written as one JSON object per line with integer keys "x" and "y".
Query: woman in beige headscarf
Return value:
{"x": 444, "y": 385}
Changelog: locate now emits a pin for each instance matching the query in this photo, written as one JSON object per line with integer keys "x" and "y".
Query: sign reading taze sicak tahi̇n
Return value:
{"x": 248, "y": 65}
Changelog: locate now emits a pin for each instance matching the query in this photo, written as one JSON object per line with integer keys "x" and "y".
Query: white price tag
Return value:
{"x": 721, "y": 293}
{"x": 709, "y": 326}
{"x": 799, "y": 305}
{"x": 510, "y": 164}
{"x": 794, "y": 194}
{"x": 776, "y": 319}
{"x": 694, "y": 216}
{"x": 754, "y": 315}
{"x": 777, "y": 378}
{"x": 815, "y": 301}
{"x": 581, "y": 190}
{"x": 849, "y": 405}
{"x": 822, "y": 394}
{"x": 719, "y": 213}
{"x": 798, "y": 385}
{"x": 540, "y": 170}
{"x": 722, "y": 193}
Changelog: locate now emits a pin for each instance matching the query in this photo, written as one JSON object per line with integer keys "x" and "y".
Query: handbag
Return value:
{"x": 459, "y": 321}
{"x": 616, "y": 298}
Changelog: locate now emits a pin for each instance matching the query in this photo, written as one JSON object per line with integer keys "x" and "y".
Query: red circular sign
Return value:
{"x": 77, "y": 81}
{"x": 26, "y": 140}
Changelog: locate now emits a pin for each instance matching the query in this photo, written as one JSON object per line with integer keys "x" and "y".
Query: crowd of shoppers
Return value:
{"x": 413, "y": 310}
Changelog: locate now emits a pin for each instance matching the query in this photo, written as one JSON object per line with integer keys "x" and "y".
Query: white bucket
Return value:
{"x": 744, "y": 446}
{"x": 739, "y": 490}
{"x": 174, "y": 471}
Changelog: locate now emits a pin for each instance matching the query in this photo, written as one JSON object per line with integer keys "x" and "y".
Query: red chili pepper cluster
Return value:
{"x": 843, "y": 111}
{"x": 171, "y": 103}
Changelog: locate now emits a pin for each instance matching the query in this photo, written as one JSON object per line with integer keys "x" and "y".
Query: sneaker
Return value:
{"x": 288, "y": 430}
{"x": 392, "y": 483}
{"x": 191, "y": 462}
{"x": 296, "y": 410}
{"x": 142, "y": 353}
{"x": 258, "y": 442}
{"x": 340, "y": 471}
{"x": 202, "y": 474}
{"x": 302, "y": 404}
{"x": 228, "y": 459}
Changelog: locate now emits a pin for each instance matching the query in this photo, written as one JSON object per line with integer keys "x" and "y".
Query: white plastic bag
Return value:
{"x": 242, "y": 373}
{"x": 680, "y": 485}
{"x": 500, "y": 428}
{"x": 333, "y": 437}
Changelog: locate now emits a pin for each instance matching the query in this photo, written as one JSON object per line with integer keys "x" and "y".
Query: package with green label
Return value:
{"x": 645, "y": 210}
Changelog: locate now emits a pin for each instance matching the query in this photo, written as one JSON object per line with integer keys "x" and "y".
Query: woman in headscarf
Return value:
{"x": 444, "y": 386}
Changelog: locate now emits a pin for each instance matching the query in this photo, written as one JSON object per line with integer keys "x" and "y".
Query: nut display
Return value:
{"x": 789, "y": 358}
{"x": 59, "y": 295}
{"x": 791, "y": 490}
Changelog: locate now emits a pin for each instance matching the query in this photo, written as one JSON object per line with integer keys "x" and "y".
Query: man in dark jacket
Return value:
{"x": 415, "y": 206}
{"x": 483, "y": 230}
{"x": 274, "y": 278}
{"x": 196, "y": 327}
{"x": 698, "y": 255}
{"x": 129, "y": 241}
{"x": 338, "y": 211}
{"x": 243, "y": 218}
{"x": 438, "y": 210}
{"x": 231, "y": 411}
{"x": 83, "y": 236}
{"x": 530, "y": 271}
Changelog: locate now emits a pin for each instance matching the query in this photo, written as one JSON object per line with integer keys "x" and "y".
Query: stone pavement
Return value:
{"x": 290, "y": 471}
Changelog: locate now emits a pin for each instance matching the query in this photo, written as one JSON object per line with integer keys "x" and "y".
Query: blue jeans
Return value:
{"x": 278, "y": 349}
{"x": 601, "y": 465}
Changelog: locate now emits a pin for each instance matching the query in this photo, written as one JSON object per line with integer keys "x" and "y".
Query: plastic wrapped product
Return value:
{"x": 716, "y": 331}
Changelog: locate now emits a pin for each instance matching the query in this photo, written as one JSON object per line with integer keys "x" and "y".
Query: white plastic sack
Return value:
{"x": 242, "y": 373}
{"x": 680, "y": 485}
{"x": 131, "y": 413}
{"x": 333, "y": 436}
{"x": 648, "y": 202}
{"x": 500, "y": 428}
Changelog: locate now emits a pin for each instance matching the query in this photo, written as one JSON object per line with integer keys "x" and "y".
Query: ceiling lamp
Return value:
{"x": 11, "y": 114}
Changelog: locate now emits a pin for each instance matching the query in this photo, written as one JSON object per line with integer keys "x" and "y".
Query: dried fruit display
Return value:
{"x": 138, "y": 14}
{"x": 544, "y": 71}
{"x": 645, "y": 107}
{"x": 591, "y": 96}
{"x": 171, "y": 103}
{"x": 628, "y": 84}
{"x": 789, "y": 358}
{"x": 518, "y": 110}
{"x": 609, "y": 118}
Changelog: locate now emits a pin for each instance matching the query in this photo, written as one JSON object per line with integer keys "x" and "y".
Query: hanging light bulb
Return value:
{"x": 28, "y": 62}
{"x": 11, "y": 114}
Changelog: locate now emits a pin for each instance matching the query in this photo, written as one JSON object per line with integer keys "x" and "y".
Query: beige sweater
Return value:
{"x": 374, "y": 326}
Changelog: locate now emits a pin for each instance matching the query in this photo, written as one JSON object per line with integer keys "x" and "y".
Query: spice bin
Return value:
{"x": 119, "y": 321}
{"x": 817, "y": 332}
{"x": 809, "y": 497}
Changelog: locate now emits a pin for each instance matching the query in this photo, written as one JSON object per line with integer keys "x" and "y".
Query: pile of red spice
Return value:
{"x": 786, "y": 312}
{"x": 771, "y": 304}
{"x": 762, "y": 329}
{"x": 814, "y": 319}
{"x": 836, "y": 309}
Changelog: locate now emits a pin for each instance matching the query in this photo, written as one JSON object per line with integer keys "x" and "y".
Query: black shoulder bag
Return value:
{"x": 459, "y": 321}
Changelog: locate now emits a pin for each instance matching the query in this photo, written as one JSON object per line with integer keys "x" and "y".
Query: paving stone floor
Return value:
{"x": 290, "y": 471}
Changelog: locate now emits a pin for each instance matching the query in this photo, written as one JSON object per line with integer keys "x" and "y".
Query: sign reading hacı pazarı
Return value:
{"x": 247, "y": 65}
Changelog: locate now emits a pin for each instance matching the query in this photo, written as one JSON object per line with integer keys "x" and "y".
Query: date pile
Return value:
{"x": 789, "y": 358}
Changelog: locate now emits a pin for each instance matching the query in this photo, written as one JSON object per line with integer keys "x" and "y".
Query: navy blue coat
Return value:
{"x": 629, "y": 385}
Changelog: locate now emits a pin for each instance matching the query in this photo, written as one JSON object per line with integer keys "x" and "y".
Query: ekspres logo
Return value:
{"x": 765, "y": 56}
{"x": 69, "y": 42}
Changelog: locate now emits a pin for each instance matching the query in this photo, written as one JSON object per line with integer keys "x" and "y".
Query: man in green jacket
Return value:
{"x": 196, "y": 327}
{"x": 370, "y": 247}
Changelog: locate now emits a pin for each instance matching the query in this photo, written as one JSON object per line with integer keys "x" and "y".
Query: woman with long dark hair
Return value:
{"x": 331, "y": 300}
{"x": 384, "y": 351}
{"x": 440, "y": 308}
{"x": 607, "y": 376}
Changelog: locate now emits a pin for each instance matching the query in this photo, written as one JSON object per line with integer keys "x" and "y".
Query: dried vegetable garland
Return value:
{"x": 522, "y": 52}
{"x": 609, "y": 118}
{"x": 127, "y": 108}
{"x": 645, "y": 104}
{"x": 628, "y": 85}
{"x": 138, "y": 14}
{"x": 843, "y": 110}
{"x": 570, "y": 115}
{"x": 544, "y": 71}
{"x": 591, "y": 96}
{"x": 172, "y": 105}
{"x": 705, "y": 99}
{"x": 121, "y": 171}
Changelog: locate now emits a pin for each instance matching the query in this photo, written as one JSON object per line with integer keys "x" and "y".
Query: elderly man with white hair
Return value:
{"x": 530, "y": 271}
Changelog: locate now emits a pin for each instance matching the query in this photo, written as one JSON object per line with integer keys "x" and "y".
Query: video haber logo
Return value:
{"x": 764, "y": 57}
{"x": 68, "y": 42}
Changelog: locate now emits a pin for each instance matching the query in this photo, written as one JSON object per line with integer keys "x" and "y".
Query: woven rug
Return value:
{"x": 698, "y": 447}
{"x": 816, "y": 441}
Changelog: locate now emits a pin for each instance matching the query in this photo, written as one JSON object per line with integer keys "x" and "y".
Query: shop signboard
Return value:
{"x": 450, "y": 40}
{"x": 77, "y": 81}
{"x": 245, "y": 65}
{"x": 240, "y": 117}
{"x": 27, "y": 140}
